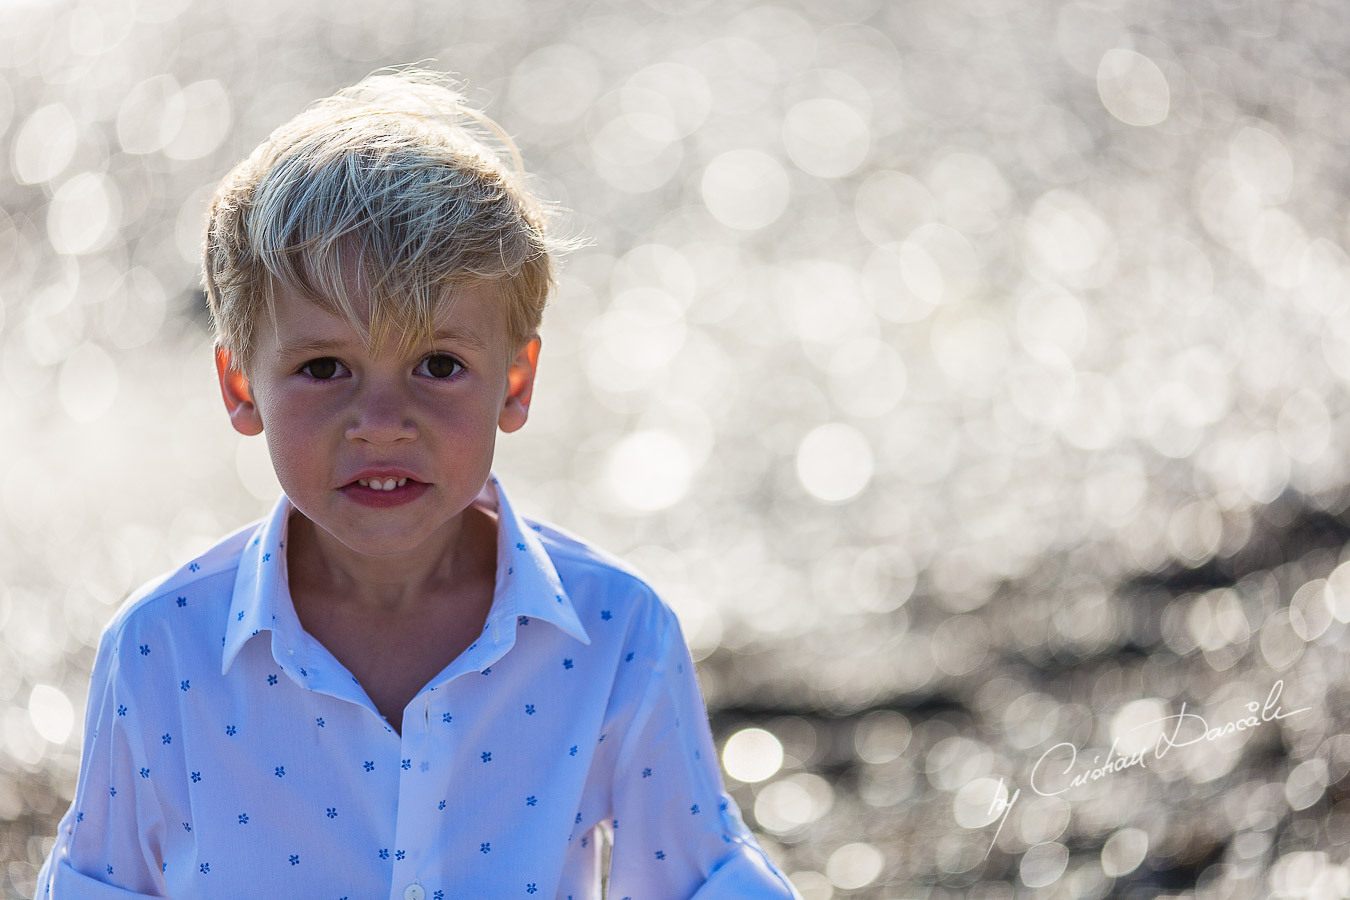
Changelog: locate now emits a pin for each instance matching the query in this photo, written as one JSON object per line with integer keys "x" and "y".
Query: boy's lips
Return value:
{"x": 383, "y": 488}
{"x": 381, "y": 476}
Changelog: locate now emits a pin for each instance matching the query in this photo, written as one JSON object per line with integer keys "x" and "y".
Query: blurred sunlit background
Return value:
{"x": 971, "y": 376}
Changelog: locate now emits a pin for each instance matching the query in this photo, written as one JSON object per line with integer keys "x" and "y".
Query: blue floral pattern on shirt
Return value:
{"x": 190, "y": 714}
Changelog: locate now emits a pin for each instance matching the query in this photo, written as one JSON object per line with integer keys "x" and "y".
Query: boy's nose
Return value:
{"x": 380, "y": 418}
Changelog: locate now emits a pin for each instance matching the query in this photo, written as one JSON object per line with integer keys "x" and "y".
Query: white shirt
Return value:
{"x": 228, "y": 754}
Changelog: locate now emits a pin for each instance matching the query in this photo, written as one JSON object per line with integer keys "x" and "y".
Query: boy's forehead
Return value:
{"x": 469, "y": 314}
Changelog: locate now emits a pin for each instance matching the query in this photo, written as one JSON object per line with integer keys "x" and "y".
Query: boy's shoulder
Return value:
{"x": 571, "y": 551}
{"x": 594, "y": 577}
{"x": 206, "y": 579}
{"x": 576, "y": 557}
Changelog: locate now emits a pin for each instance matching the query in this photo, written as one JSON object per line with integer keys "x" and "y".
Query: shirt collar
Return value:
{"x": 527, "y": 581}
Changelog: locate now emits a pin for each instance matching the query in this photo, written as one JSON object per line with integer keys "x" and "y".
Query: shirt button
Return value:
{"x": 414, "y": 892}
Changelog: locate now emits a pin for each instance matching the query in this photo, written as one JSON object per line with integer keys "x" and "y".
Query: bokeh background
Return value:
{"x": 971, "y": 376}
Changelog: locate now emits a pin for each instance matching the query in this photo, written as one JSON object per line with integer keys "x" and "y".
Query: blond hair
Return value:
{"x": 375, "y": 204}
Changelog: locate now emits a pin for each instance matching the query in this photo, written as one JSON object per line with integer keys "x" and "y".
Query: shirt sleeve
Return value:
{"x": 105, "y": 845}
{"x": 676, "y": 832}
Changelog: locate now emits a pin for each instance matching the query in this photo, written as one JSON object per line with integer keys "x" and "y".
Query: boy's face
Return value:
{"x": 336, "y": 415}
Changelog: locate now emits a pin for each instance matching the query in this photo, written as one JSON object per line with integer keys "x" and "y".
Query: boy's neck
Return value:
{"x": 320, "y": 566}
{"x": 394, "y": 623}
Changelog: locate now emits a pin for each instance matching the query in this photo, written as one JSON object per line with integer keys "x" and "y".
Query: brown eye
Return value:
{"x": 321, "y": 369}
{"x": 438, "y": 365}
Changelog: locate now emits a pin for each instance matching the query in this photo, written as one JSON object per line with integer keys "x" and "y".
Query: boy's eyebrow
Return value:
{"x": 459, "y": 336}
{"x": 321, "y": 345}
{"x": 306, "y": 347}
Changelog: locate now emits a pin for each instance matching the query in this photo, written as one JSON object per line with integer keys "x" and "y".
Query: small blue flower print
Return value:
{"x": 112, "y": 791}
{"x": 447, "y": 718}
{"x": 439, "y": 895}
{"x": 384, "y": 854}
{"x": 722, "y": 806}
{"x": 79, "y": 817}
{"x": 485, "y": 848}
{"x": 486, "y": 756}
{"x": 488, "y": 670}
{"x": 145, "y": 773}
{"x": 660, "y": 854}
{"x": 560, "y": 598}
{"x": 196, "y": 777}
{"x": 204, "y": 868}
{"x": 567, "y": 664}
{"x": 109, "y": 868}
{"x": 532, "y": 800}
{"x": 295, "y": 860}
{"x": 530, "y": 888}
{"x": 187, "y": 826}
{"x": 184, "y": 685}
{"x": 628, "y": 658}
{"x": 578, "y": 821}
{"x": 441, "y": 805}
{"x": 229, "y": 730}
{"x": 606, "y": 614}
{"x": 182, "y": 601}
{"x": 304, "y": 673}
{"x": 572, "y": 751}
{"x": 424, "y": 766}
{"x": 399, "y": 854}
{"x": 193, "y": 567}
{"x": 319, "y": 721}
{"x": 121, "y": 710}
{"x": 240, "y": 616}
{"x": 529, "y": 709}
{"x": 694, "y": 809}
{"x": 243, "y": 818}
{"x": 271, "y": 679}
{"x": 332, "y": 812}
{"x": 145, "y": 649}
{"x": 519, "y": 545}
{"x": 646, "y": 773}
{"x": 585, "y": 842}
{"x": 406, "y": 764}
{"x": 523, "y": 620}
{"x": 166, "y": 738}
{"x": 280, "y": 771}
{"x": 370, "y": 765}
{"x": 267, "y": 557}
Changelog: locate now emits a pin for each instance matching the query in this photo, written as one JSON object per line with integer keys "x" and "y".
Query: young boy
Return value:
{"x": 393, "y": 685}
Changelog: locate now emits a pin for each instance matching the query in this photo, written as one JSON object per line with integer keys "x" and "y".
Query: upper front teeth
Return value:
{"x": 387, "y": 484}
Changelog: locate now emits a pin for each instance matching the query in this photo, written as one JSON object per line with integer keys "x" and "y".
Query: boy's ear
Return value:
{"x": 238, "y": 398}
{"x": 519, "y": 386}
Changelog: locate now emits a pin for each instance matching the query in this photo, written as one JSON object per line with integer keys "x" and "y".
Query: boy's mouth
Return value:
{"x": 382, "y": 484}
{"x": 383, "y": 491}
